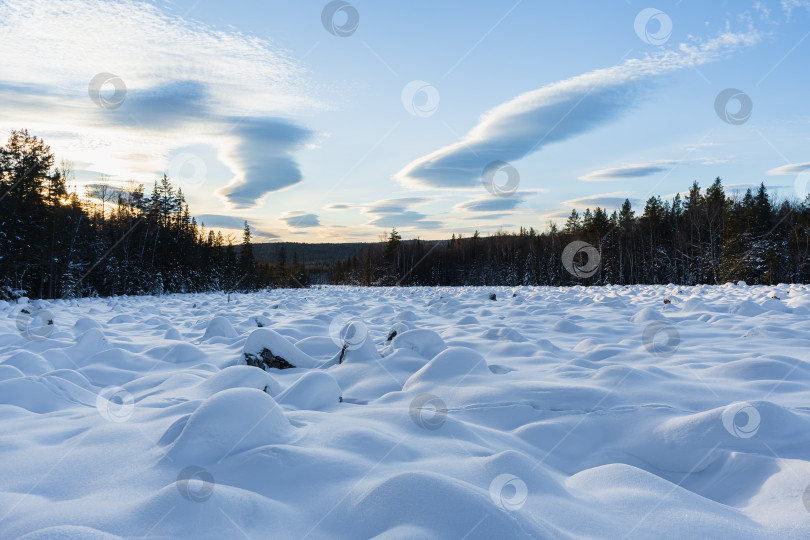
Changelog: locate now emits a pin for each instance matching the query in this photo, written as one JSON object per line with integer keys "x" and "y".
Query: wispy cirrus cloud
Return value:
{"x": 789, "y": 5}
{"x": 185, "y": 81}
{"x": 557, "y": 112}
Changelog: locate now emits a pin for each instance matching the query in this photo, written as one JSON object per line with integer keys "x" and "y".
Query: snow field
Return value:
{"x": 598, "y": 412}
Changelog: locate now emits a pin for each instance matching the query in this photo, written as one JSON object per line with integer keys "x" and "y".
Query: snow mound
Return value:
{"x": 406, "y": 315}
{"x": 504, "y": 334}
{"x": 315, "y": 391}
{"x": 449, "y": 367}
{"x": 161, "y": 322}
{"x": 9, "y": 372}
{"x": 179, "y": 353}
{"x": 220, "y": 327}
{"x": 426, "y": 343}
{"x": 29, "y": 363}
{"x": 259, "y": 321}
{"x": 625, "y": 494}
{"x": 772, "y": 304}
{"x": 566, "y": 327}
{"x": 230, "y": 422}
{"x": 746, "y": 308}
{"x": 693, "y": 304}
{"x": 89, "y": 342}
{"x": 397, "y": 329}
{"x": 42, "y": 395}
{"x": 84, "y": 324}
{"x": 434, "y": 506}
{"x": 69, "y": 532}
{"x": 267, "y": 348}
{"x": 172, "y": 334}
{"x": 647, "y": 315}
{"x": 122, "y": 319}
{"x": 239, "y": 377}
{"x": 379, "y": 311}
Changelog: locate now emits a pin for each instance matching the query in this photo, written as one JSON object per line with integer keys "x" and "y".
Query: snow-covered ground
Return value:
{"x": 600, "y": 412}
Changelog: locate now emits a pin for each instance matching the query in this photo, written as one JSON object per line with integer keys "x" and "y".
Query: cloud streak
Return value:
{"x": 300, "y": 220}
{"x": 555, "y": 113}
{"x": 604, "y": 201}
{"x": 791, "y": 169}
{"x": 388, "y": 213}
{"x": 639, "y": 170}
{"x": 488, "y": 203}
{"x": 216, "y": 221}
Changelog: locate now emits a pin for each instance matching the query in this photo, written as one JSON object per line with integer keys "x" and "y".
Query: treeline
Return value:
{"x": 56, "y": 244}
{"x": 705, "y": 237}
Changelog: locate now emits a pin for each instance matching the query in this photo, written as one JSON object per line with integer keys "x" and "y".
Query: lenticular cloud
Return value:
{"x": 555, "y": 113}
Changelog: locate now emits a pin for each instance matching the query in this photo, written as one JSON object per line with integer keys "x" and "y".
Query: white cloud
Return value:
{"x": 556, "y": 112}
{"x": 68, "y": 42}
{"x": 395, "y": 212}
{"x": 792, "y": 169}
{"x": 236, "y": 223}
{"x": 638, "y": 170}
{"x": 489, "y": 203}
{"x": 789, "y": 5}
{"x": 300, "y": 220}
{"x": 185, "y": 81}
{"x": 604, "y": 200}
{"x": 642, "y": 170}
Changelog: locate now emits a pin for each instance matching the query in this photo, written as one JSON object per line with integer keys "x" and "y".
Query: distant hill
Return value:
{"x": 316, "y": 253}
{"x": 269, "y": 252}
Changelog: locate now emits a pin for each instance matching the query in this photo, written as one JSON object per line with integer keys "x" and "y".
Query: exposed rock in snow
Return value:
{"x": 266, "y": 348}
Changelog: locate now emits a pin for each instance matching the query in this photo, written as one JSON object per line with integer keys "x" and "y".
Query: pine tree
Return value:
{"x": 247, "y": 261}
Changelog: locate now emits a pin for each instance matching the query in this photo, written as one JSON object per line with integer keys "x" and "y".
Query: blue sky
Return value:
{"x": 434, "y": 117}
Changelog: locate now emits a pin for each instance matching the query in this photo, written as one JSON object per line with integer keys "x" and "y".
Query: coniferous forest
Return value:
{"x": 705, "y": 237}
{"x": 58, "y": 244}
